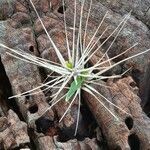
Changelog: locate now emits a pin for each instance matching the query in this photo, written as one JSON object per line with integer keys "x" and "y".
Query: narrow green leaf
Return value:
{"x": 74, "y": 87}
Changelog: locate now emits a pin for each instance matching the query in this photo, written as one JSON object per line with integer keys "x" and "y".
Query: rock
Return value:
{"x": 140, "y": 10}
{"x": 20, "y": 29}
{"x": 130, "y": 127}
{"x": 13, "y": 131}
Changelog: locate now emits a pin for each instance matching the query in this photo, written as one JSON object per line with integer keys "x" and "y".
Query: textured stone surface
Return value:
{"x": 13, "y": 132}
{"x": 130, "y": 127}
{"x": 140, "y": 9}
{"x": 20, "y": 29}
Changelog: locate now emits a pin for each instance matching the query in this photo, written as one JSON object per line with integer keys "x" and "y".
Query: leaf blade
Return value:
{"x": 74, "y": 87}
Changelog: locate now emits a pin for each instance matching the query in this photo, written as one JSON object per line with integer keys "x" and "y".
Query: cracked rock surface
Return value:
{"x": 20, "y": 29}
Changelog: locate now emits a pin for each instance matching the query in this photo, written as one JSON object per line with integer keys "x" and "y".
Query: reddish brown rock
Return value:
{"x": 23, "y": 30}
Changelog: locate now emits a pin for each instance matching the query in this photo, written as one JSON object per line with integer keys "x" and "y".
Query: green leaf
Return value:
{"x": 69, "y": 65}
{"x": 74, "y": 87}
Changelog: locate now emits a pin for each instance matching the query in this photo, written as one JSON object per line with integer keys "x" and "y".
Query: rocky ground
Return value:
{"x": 20, "y": 123}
